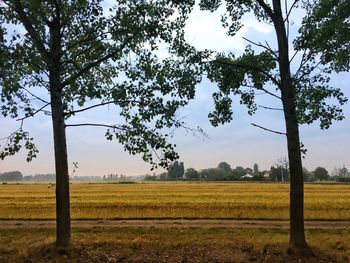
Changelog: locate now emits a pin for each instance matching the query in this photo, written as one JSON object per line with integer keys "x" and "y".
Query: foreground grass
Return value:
{"x": 170, "y": 245}
{"x": 175, "y": 200}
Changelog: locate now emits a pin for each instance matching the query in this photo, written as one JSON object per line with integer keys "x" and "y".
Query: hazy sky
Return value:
{"x": 237, "y": 143}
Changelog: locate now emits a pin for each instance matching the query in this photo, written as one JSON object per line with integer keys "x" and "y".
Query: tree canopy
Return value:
{"x": 224, "y": 166}
{"x": 176, "y": 170}
{"x": 11, "y": 176}
{"x": 321, "y": 174}
{"x": 105, "y": 58}
{"x": 325, "y": 32}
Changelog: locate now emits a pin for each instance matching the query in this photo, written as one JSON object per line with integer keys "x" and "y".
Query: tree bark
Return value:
{"x": 297, "y": 241}
{"x": 63, "y": 229}
{"x": 297, "y": 234}
{"x": 62, "y": 174}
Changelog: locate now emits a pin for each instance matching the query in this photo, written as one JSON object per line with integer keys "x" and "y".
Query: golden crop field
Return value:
{"x": 175, "y": 200}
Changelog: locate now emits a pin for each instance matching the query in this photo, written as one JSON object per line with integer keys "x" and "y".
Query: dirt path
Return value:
{"x": 177, "y": 223}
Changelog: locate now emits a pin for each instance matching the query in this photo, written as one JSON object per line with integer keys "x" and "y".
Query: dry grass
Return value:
{"x": 170, "y": 245}
{"x": 175, "y": 200}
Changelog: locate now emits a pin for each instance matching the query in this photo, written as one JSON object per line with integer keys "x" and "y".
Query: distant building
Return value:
{"x": 266, "y": 174}
{"x": 247, "y": 176}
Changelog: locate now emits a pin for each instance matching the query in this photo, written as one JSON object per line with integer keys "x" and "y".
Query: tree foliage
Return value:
{"x": 326, "y": 32}
{"x": 191, "y": 174}
{"x": 176, "y": 171}
{"x": 224, "y": 166}
{"x": 105, "y": 58}
{"x": 321, "y": 174}
{"x": 279, "y": 173}
{"x": 256, "y": 170}
{"x": 11, "y": 176}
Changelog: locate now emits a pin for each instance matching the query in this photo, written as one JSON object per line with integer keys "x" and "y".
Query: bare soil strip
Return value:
{"x": 176, "y": 223}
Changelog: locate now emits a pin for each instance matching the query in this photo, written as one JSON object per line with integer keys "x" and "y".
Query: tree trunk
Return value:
{"x": 62, "y": 175}
{"x": 59, "y": 133}
{"x": 297, "y": 241}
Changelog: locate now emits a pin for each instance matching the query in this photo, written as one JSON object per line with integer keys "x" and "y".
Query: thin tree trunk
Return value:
{"x": 63, "y": 229}
{"x": 62, "y": 175}
{"x": 297, "y": 241}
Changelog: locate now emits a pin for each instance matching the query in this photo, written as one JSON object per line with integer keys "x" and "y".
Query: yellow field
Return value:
{"x": 175, "y": 200}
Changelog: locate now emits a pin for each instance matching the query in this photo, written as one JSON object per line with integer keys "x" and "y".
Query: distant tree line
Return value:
{"x": 16, "y": 176}
{"x": 223, "y": 172}
{"x": 114, "y": 177}
{"x": 11, "y": 176}
{"x": 40, "y": 177}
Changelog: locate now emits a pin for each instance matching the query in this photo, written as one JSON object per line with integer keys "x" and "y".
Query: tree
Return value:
{"x": 304, "y": 95}
{"x": 257, "y": 175}
{"x": 343, "y": 172}
{"x": 224, "y": 166}
{"x": 172, "y": 170}
{"x": 214, "y": 174}
{"x": 163, "y": 176}
{"x": 340, "y": 172}
{"x": 321, "y": 174}
{"x": 191, "y": 174}
{"x": 256, "y": 170}
{"x": 62, "y": 58}
{"x": 278, "y": 173}
{"x": 11, "y": 176}
{"x": 181, "y": 171}
{"x": 239, "y": 171}
{"x": 248, "y": 170}
{"x": 307, "y": 175}
{"x": 282, "y": 165}
{"x": 149, "y": 177}
{"x": 176, "y": 170}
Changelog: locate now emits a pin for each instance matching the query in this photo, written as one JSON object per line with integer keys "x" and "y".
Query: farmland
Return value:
{"x": 175, "y": 200}
{"x": 175, "y": 242}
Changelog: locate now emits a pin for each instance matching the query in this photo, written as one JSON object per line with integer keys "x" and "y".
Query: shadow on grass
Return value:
{"x": 138, "y": 252}
{"x": 169, "y": 245}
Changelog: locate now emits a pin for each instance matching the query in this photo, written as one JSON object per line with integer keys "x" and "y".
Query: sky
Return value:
{"x": 237, "y": 143}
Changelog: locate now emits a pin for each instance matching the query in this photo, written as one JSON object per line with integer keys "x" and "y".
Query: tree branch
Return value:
{"x": 35, "y": 112}
{"x": 35, "y": 96}
{"x": 268, "y": 48}
{"x": 302, "y": 64}
{"x": 85, "y": 51}
{"x": 267, "y": 9}
{"x": 265, "y": 129}
{"x": 18, "y": 8}
{"x": 270, "y": 108}
{"x": 88, "y": 39}
{"x": 95, "y": 125}
{"x": 291, "y": 8}
{"x": 91, "y": 107}
{"x": 294, "y": 55}
{"x": 90, "y": 66}
{"x": 13, "y": 133}
{"x": 303, "y": 61}
{"x": 8, "y": 138}
{"x": 264, "y": 90}
{"x": 245, "y": 66}
{"x": 98, "y": 105}
{"x": 287, "y": 18}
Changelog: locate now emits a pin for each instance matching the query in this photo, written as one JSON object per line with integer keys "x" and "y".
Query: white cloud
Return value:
{"x": 204, "y": 30}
